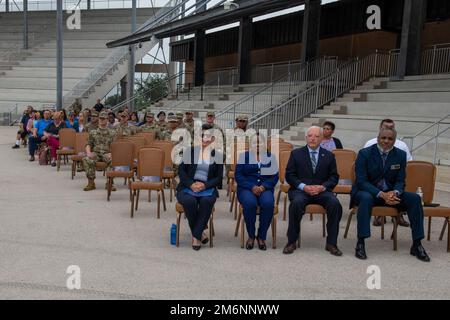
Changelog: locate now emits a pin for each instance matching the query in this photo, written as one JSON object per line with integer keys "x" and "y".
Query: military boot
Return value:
{"x": 90, "y": 186}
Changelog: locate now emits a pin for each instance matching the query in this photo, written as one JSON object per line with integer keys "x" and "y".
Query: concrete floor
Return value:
{"x": 47, "y": 223}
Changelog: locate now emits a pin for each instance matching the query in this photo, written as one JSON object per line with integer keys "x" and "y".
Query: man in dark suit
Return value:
{"x": 380, "y": 181}
{"x": 312, "y": 174}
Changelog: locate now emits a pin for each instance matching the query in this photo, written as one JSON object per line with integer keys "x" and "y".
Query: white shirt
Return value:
{"x": 398, "y": 144}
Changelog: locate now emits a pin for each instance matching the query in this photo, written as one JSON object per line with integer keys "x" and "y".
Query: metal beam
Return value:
{"x": 131, "y": 60}
{"x": 7, "y": 5}
{"x": 208, "y": 19}
{"x": 311, "y": 30}
{"x": 25, "y": 24}
{"x": 414, "y": 13}
{"x": 59, "y": 55}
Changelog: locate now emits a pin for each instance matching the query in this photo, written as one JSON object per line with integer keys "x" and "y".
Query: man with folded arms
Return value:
{"x": 380, "y": 181}
{"x": 312, "y": 174}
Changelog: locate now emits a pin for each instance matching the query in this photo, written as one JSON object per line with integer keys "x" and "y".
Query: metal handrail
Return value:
{"x": 136, "y": 96}
{"x": 295, "y": 82}
{"x": 427, "y": 128}
{"x": 115, "y": 57}
{"x": 323, "y": 92}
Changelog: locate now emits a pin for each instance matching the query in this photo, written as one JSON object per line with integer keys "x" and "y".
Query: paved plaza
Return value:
{"x": 48, "y": 223}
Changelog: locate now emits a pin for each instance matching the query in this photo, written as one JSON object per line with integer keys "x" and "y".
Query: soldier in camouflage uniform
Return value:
{"x": 180, "y": 116}
{"x": 189, "y": 122}
{"x": 123, "y": 129}
{"x": 167, "y": 134}
{"x": 94, "y": 122}
{"x": 162, "y": 124}
{"x": 98, "y": 149}
{"x": 150, "y": 125}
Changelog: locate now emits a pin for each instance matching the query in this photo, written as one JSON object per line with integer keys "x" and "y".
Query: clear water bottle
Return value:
{"x": 420, "y": 193}
{"x": 173, "y": 234}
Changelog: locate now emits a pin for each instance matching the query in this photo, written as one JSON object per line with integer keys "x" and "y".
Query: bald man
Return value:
{"x": 312, "y": 175}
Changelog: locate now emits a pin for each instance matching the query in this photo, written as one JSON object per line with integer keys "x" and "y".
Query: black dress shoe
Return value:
{"x": 360, "y": 251}
{"x": 289, "y": 248}
{"x": 261, "y": 244}
{"x": 377, "y": 221}
{"x": 401, "y": 221}
{"x": 196, "y": 248}
{"x": 420, "y": 253}
{"x": 334, "y": 250}
{"x": 250, "y": 243}
{"x": 31, "y": 158}
{"x": 15, "y": 146}
{"x": 205, "y": 241}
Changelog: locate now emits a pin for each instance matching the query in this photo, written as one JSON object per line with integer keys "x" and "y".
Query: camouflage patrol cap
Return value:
{"x": 211, "y": 113}
{"x": 189, "y": 112}
{"x": 242, "y": 117}
{"x": 180, "y": 115}
{"x": 94, "y": 113}
{"x": 103, "y": 115}
{"x": 172, "y": 119}
{"x": 124, "y": 113}
{"x": 150, "y": 114}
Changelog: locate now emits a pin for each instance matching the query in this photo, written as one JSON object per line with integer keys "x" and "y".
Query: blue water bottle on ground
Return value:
{"x": 173, "y": 234}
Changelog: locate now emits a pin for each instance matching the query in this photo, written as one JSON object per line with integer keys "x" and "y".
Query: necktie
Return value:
{"x": 313, "y": 160}
{"x": 383, "y": 157}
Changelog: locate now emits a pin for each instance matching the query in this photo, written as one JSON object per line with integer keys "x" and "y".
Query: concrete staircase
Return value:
{"x": 29, "y": 78}
{"x": 414, "y": 104}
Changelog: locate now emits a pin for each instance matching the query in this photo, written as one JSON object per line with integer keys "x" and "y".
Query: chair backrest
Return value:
{"x": 344, "y": 161}
{"x": 148, "y": 136}
{"x": 284, "y": 158}
{"x": 67, "y": 138}
{"x": 421, "y": 174}
{"x": 122, "y": 153}
{"x": 166, "y": 147}
{"x": 150, "y": 162}
{"x": 139, "y": 140}
{"x": 80, "y": 141}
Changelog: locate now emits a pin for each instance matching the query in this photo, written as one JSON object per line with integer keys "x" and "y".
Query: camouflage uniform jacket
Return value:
{"x": 125, "y": 130}
{"x": 90, "y": 127}
{"x": 100, "y": 140}
{"x": 151, "y": 128}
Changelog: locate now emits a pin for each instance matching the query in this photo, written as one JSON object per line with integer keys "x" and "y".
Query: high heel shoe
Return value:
{"x": 261, "y": 244}
{"x": 250, "y": 243}
{"x": 196, "y": 247}
{"x": 205, "y": 240}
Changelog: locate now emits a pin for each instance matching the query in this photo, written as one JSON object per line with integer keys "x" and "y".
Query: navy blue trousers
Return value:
{"x": 33, "y": 144}
{"x": 197, "y": 210}
{"x": 299, "y": 201}
{"x": 410, "y": 202}
{"x": 249, "y": 203}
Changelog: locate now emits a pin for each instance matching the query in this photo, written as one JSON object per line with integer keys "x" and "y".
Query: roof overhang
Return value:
{"x": 207, "y": 20}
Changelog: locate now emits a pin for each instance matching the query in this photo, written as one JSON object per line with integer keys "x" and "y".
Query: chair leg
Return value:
{"x": 284, "y": 206}
{"x": 278, "y": 197}
{"x": 443, "y": 229}
{"x": 429, "y": 228}
{"x": 233, "y": 196}
{"x": 108, "y": 190}
{"x": 132, "y": 203}
{"x": 178, "y": 229}
{"x": 172, "y": 190}
{"x": 349, "y": 220}
{"x": 73, "y": 169}
{"x": 311, "y": 217}
{"x": 382, "y": 227}
{"x": 58, "y": 162}
{"x": 211, "y": 231}
{"x": 274, "y": 233}
{"x": 125, "y": 182}
{"x": 159, "y": 205}
{"x": 228, "y": 187}
{"x": 237, "y": 224}
{"x": 323, "y": 226}
{"x": 129, "y": 187}
{"x": 163, "y": 200}
{"x": 149, "y": 195}
{"x": 395, "y": 233}
{"x": 242, "y": 230}
{"x": 235, "y": 209}
{"x": 448, "y": 235}
{"x": 137, "y": 199}
{"x": 299, "y": 240}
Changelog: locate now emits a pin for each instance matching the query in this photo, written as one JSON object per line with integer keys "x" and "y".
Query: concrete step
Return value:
{"x": 418, "y": 84}
{"x": 72, "y": 53}
{"x": 43, "y": 63}
{"x": 49, "y": 72}
{"x": 36, "y": 83}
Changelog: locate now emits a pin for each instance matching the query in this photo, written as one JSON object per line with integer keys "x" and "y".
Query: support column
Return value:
{"x": 123, "y": 88}
{"x": 25, "y": 24}
{"x": 172, "y": 70}
{"x": 131, "y": 60}
{"x": 245, "y": 46}
{"x": 311, "y": 30}
{"x": 6, "y": 5}
{"x": 59, "y": 54}
{"x": 89, "y": 4}
{"x": 199, "y": 58}
{"x": 414, "y": 13}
